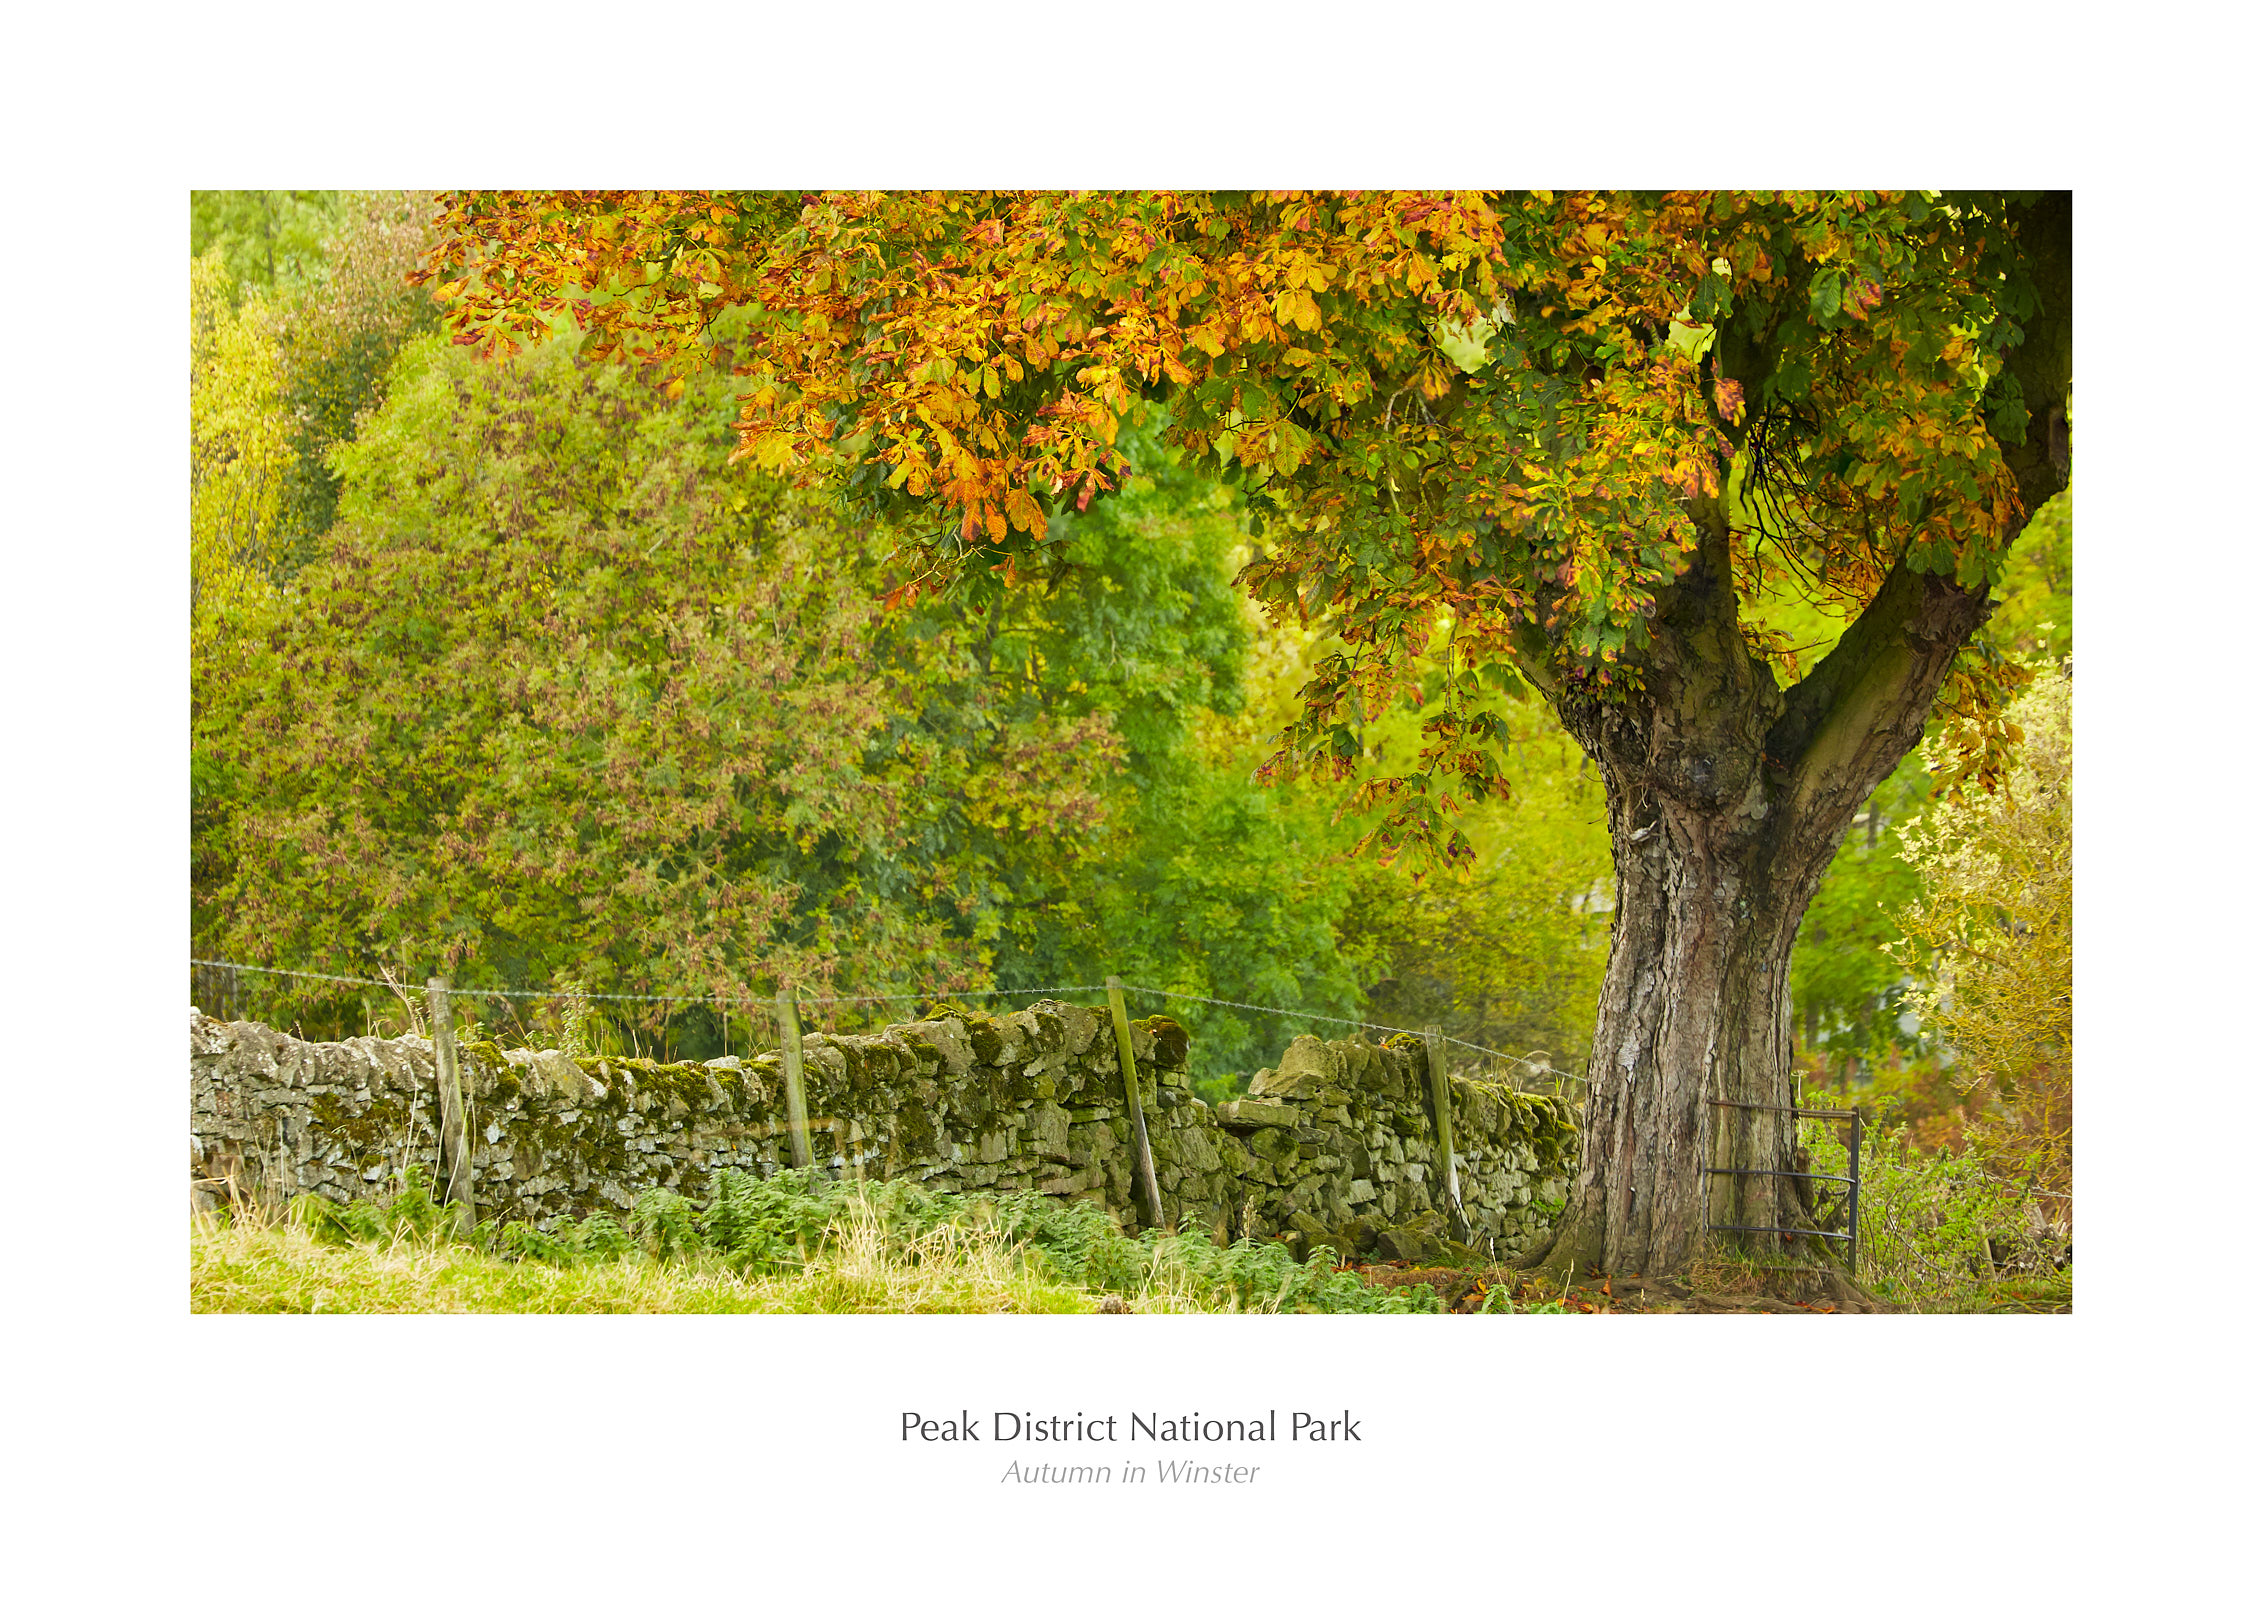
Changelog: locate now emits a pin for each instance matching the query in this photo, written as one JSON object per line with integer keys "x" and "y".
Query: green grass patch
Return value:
{"x": 789, "y": 1243}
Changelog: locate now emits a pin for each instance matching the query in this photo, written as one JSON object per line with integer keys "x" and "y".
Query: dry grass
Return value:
{"x": 270, "y": 1266}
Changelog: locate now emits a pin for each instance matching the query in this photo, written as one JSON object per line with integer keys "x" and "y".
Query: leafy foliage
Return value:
{"x": 1941, "y": 1230}
{"x": 1193, "y": 881}
{"x": 564, "y": 704}
{"x": 564, "y": 701}
{"x": 270, "y": 241}
{"x": 1487, "y": 405}
{"x": 340, "y": 337}
{"x": 1849, "y": 991}
{"x": 241, "y": 452}
{"x": 1990, "y": 941}
{"x": 1509, "y": 955}
{"x": 280, "y": 376}
{"x": 2035, "y": 614}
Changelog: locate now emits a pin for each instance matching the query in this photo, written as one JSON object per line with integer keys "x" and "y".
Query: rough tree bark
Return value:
{"x": 1727, "y": 798}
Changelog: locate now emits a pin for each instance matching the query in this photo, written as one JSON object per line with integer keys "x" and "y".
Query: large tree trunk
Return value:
{"x": 1727, "y": 799}
{"x": 1695, "y": 1010}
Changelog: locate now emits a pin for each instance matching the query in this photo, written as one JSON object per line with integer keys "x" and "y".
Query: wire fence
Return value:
{"x": 217, "y": 988}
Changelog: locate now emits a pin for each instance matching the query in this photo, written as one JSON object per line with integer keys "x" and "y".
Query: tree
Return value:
{"x": 1509, "y": 954}
{"x": 298, "y": 303}
{"x": 240, "y": 453}
{"x": 482, "y": 727}
{"x": 267, "y": 239}
{"x": 1989, "y": 941}
{"x": 564, "y": 701}
{"x": 1847, "y": 991}
{"x": 340, "y": 335}
{"x": 1199, "y": 882}
{"x": 1570, "y": 440}
{"x": 1508, "y": 958}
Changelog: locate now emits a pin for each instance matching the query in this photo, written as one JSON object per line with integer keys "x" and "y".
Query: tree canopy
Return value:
{"x": 1498, "y": 407}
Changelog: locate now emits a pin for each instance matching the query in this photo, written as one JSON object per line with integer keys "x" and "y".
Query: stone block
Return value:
{"x": 947, "y": 1037}
{"x": 1307, "y": 1067}
{"x": 1271, "y": 1144}
{"x": 1248, "y": 1113}
{"x": 1049, "y": 1130}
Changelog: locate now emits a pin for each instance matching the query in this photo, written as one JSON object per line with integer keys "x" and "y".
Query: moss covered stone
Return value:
{"x": 960, "y": 1099}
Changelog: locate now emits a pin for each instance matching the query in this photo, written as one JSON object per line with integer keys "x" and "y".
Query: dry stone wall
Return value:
{"x": 1335, "y": 1145}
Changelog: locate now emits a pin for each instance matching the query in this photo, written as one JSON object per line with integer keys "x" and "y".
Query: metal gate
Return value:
{"x": 1853, "y": 1180}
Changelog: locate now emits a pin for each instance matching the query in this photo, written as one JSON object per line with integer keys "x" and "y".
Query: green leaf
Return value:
{"x": 1823, "y": 295}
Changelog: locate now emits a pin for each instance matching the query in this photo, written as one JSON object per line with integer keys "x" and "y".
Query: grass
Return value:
{"x": 784, "y": 1244}
{"x": 246, "y": 1267}
{"x": 796, "y": 1244}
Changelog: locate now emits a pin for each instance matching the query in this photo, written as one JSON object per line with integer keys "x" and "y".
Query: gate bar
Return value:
{"x": 1778, "y": 1172}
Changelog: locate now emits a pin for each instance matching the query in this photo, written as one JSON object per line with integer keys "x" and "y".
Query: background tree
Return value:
{"x": 1989, "y": 943}
{"x": 240, "y": 447}
{"x": 270, "y": 242}
{"x": 561, "y": 700}
{"x": 319, "y": 279}
{"x": 1593, "y": 431}
{"x": 1202, "y": 883}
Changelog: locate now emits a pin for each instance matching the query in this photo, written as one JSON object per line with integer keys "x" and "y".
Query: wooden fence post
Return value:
{"x": 1131, "y": 1097}
{"x": 1442, "y": 1111}
{"x": 455, "y": 1132}
{"x": 789, "y": 1056}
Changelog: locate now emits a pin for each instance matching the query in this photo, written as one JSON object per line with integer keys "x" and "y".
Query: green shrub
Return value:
{"x": 1946, "y": 1230}
{"x": 411, "y": 1214}
{"x": 664, "y": 1223}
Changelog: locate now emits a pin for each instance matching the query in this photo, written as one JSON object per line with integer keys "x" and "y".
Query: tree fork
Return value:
{"x": 1718, "y": 844}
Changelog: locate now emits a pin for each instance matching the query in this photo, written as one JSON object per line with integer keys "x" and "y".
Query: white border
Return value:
{"x": 1968, "y": 1455}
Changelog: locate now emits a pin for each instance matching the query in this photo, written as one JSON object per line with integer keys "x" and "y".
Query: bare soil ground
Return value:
{"x": 1705, "y": 1290}
{"x": 1715, "y": 1288}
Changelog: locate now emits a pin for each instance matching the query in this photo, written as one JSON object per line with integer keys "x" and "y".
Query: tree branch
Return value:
{"x": 1863, "y": 708}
